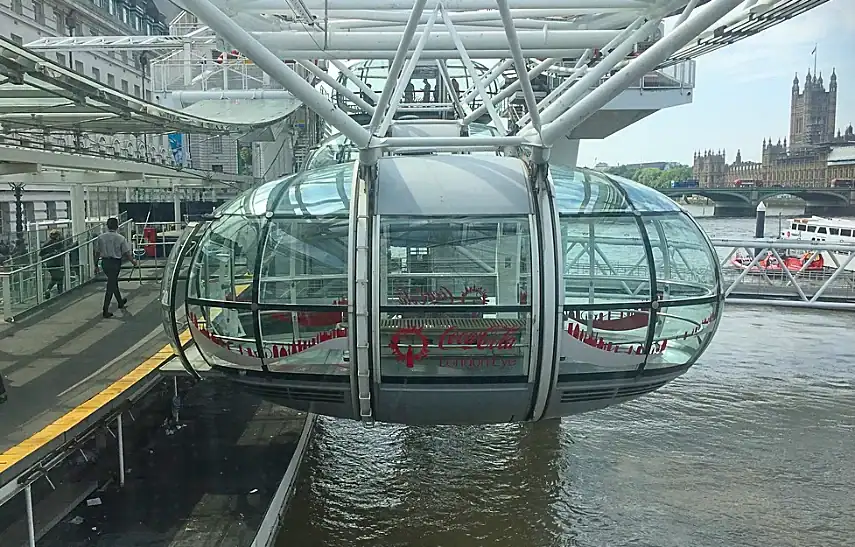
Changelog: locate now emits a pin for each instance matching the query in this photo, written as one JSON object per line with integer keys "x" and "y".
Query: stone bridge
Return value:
{"x": 733, "y": 201}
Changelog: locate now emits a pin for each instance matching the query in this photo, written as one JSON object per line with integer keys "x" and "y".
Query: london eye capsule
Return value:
{"x": 447, "y": 292}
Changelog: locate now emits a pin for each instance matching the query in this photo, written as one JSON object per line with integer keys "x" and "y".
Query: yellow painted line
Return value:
{"x": 79, "y": 414}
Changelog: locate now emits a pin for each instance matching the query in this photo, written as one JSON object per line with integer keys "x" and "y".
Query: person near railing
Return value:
{"x": 112, "y": 248}
{"x": 51, "y": 253}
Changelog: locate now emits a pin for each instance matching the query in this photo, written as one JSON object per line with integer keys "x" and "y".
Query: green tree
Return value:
{"x": 655, "y": 178}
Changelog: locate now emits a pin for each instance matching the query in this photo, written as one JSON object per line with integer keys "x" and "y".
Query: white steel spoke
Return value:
{"x": 461, "y": 108}
{"x": 404, "y": 79}
{"x": 278, "y": 70}
{"x": 333, "y": 83}
{"x": 397, "y": 64}
{"x": 658, "y": 52}
{"x": 578, "y": 71}
{"x": 363, "y": 87}
{"x": 467, "y": 62}
{"x": 488, "y": 78}
{"x": 589, "y": 48}
{"x": 522, "y": 69}
{"x": 513, "y": 88}
{"x": 623, "y": 45}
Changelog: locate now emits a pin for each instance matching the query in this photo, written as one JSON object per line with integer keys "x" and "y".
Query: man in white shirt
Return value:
{"x": 112, "y": 248}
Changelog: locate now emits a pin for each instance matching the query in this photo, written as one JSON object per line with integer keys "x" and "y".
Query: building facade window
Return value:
{"x": 216, "y": 168}
{"x": 96, "y": 74}
{"x": 217, "y": 145}
{"x": 39, "y": 13}
{"x": 137, "y": 91}
{"x": 17, "y": 39}
{"x": 124, "y": 86}
{"x": 111, "y": 80}
{"x": 78, "y": 67}
{"x": 60, "y": 59}
{"x": 18, "y": 7}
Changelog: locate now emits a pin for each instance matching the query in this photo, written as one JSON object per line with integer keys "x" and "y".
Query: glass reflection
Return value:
{"x": 604, "y": 340}
{"x": 318, "y": 192}
{"x": 476, "y": 261}
{"x": 685, "y": 264}
{"x": 682, "y": 332}
{"x": 643, "y": 198}
{"x": 430, "y": 266}
{"x": 580, "y": 191}
{"x": 224, "y": 336}
{"x": 224, "y": 263}
{"x": 307, "y": 342}
{"x": 604, "y": 261}
{"x": 452, "y": 344}
{"x": 304, "y": 262}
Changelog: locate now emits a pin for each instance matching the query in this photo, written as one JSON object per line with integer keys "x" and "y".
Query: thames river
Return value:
{"x": 754, "y": 446}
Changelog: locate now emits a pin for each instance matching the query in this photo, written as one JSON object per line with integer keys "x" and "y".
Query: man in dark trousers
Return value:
{"x": 112, "y": 248}
{"x": 55, "y": 262}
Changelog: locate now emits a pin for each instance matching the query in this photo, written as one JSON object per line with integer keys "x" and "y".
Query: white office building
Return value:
{"x": 24, "y": 21}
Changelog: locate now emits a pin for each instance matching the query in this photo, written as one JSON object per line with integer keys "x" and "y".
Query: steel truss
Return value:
{"x": 832, "y": 288}
{"x": 600, "y": 38}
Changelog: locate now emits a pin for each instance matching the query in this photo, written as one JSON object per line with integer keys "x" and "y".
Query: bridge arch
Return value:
{"x": 742, "y": 202}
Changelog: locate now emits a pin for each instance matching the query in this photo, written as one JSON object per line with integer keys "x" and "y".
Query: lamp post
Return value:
{"x": 18, "y": 192}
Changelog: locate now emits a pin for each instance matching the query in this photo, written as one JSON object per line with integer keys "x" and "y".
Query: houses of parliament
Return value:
{"x": 815, "y": 154}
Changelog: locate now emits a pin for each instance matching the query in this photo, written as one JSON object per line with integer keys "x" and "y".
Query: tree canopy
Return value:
{"x": 655, "y": 178}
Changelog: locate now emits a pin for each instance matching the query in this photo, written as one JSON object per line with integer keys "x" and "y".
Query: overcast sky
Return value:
{"x": 743, "y": 93}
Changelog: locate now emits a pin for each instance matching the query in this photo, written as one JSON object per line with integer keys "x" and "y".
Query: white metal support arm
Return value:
{"x": 278, "y": 70}
{"x": 643, "y": 64}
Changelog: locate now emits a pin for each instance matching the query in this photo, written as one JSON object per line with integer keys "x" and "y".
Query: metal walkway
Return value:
{"x": 71, "y": 377}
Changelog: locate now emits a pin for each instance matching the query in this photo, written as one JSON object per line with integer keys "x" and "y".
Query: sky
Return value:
{"x": 742, "y": 93}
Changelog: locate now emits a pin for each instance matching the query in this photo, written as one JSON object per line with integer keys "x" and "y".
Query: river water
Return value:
{"x": 754, "y": 446}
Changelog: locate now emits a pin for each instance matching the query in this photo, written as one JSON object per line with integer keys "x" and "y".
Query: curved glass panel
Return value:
{"x": 451, "y": 297}
{"x": 335, "y": 150}
{"x": 304, "y": 262}
{"x": 307, "y": 341}
{"x": 580, "y": 191}
{"x": 171, "y": 266}
{"x": 224, "y": 336}
{"x": 318, "y": 192}
{"x": 604, "y": 261}
{"x": 681, "y": 333}
{"x": 644, "y": 198}
{"x": 225, "y": 262}
{"x": 685, "y": 263}
{"x": 604, "y": 340}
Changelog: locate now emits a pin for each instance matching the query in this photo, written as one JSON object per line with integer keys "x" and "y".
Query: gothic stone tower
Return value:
{"x": 813, "y": 111}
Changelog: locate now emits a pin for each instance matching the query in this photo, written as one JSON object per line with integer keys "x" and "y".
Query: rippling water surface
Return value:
{"x": 754, "y": 446}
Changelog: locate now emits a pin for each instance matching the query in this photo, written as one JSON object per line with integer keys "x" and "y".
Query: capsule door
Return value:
{"x": 452, "y": 335}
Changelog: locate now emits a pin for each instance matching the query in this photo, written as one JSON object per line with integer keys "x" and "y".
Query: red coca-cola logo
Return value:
{"x": 409, "y": 355}
{"x": 493, "y": 338}
{"x": 410, "y": 344}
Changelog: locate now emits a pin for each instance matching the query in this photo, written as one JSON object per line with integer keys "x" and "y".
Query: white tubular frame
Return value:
{"x": 598, "y": 38}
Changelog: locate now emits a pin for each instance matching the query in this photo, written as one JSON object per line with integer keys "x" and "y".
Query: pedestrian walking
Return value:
{"x": 54, "y": 262}
{"x": 112, "y": 249}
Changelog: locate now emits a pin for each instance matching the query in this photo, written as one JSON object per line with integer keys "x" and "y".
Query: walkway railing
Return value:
{"x": 26, "y": 287}
{"x": 34, "y": 239}
{"x": 749, "y": 280}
